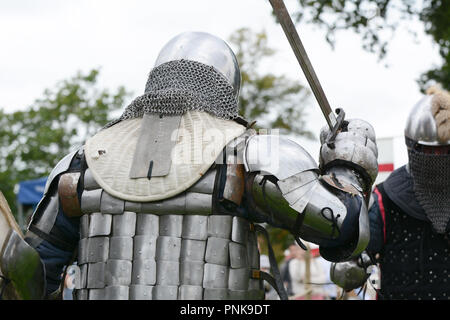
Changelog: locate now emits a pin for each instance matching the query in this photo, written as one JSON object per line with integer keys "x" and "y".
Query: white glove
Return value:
{"x": 355, "y": 144}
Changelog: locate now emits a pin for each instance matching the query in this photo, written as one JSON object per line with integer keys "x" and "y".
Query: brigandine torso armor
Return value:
{"x": 182, "y": 247}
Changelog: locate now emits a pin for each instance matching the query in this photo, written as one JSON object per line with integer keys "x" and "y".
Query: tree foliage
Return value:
{"x": 274, "y": 101}
{"x": 377, "y": 21}
{"x": 33, "y": 140}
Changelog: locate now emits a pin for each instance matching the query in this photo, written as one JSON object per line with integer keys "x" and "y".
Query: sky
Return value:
{"x": 46, "y": 41}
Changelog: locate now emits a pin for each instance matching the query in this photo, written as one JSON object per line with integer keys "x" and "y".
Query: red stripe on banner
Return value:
{"x": 315, "y": 252}
{"x": 386, "y": 167}
{"x": 383, "y": 213}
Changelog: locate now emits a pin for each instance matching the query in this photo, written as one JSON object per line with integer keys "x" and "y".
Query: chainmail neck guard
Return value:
{"x": 178, "y": 86}
{"x": 431, "y": 176}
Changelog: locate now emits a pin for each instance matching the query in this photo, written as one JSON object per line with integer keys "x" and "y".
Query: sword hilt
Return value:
{"x": 335, "y": 129}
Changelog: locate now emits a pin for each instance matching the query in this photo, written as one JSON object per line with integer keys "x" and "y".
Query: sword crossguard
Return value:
{"x": 335, "y": 130}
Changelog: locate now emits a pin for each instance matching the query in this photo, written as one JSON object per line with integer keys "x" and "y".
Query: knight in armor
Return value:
{"x": 166, "y": 201}
{"x": 410, "y": 214}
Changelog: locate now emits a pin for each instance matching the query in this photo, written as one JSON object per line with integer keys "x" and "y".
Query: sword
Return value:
{"x": 334, "y": 123}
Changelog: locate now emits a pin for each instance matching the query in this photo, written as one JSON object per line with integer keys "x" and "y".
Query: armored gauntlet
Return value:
{"x": 353, "y": 274}
{"x": 354, "y": 151}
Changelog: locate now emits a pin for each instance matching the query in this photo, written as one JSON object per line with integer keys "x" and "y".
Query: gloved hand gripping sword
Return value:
{"x": 348, "y": 156}
{"x": 336, "y": 124}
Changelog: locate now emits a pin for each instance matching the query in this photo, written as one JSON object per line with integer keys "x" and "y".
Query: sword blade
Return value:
{"x": 300, "y": 53}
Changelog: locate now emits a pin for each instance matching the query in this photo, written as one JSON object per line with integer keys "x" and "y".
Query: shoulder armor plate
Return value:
{"x": 62, "y": 166}
{"x": 68, "y": 195}
{"x": 277, "y": 156}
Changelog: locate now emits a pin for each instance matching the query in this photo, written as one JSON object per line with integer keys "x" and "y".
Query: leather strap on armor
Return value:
{"x": 68, "y": 194}
{"x": 55, "y": 237}
{"x": 277, "y": 283}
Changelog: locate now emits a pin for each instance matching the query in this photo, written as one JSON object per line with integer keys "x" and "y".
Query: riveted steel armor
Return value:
{"x": 171, "y": 249}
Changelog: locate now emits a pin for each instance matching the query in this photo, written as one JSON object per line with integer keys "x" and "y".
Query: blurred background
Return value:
{"x": 69, "y": 67}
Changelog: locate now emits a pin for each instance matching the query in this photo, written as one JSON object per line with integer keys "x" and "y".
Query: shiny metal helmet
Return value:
{"x": 205, "y": 48}
{"x": 422, "y": 124}
{"x": 427, "y": 136}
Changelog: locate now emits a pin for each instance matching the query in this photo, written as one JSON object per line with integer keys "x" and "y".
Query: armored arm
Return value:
{"x": 326, "y": 205}
{"x": 24, "y": 266}
{"x": 49, "y": 242}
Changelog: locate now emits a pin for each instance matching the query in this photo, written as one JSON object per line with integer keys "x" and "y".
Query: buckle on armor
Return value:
{"x": 256, "y": 274}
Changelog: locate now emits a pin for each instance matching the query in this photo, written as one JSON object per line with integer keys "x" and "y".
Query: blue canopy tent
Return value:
{"x": 31, "y": 191}
{"x": 28, "y": 196}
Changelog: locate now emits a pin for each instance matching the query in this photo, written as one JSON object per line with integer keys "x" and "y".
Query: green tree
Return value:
{"x": 274, "y": 101}
{"x": 32, "y": 141}
{"x": 377, "y": 21}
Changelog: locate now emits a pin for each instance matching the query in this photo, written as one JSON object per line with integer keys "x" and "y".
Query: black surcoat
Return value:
{"x": 414, "y": 259}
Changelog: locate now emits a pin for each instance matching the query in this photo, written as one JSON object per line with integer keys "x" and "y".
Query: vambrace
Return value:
{"x": 327, "y": 210}
{"x": 23, "y": 270}
{"x": 22, "y": 273}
